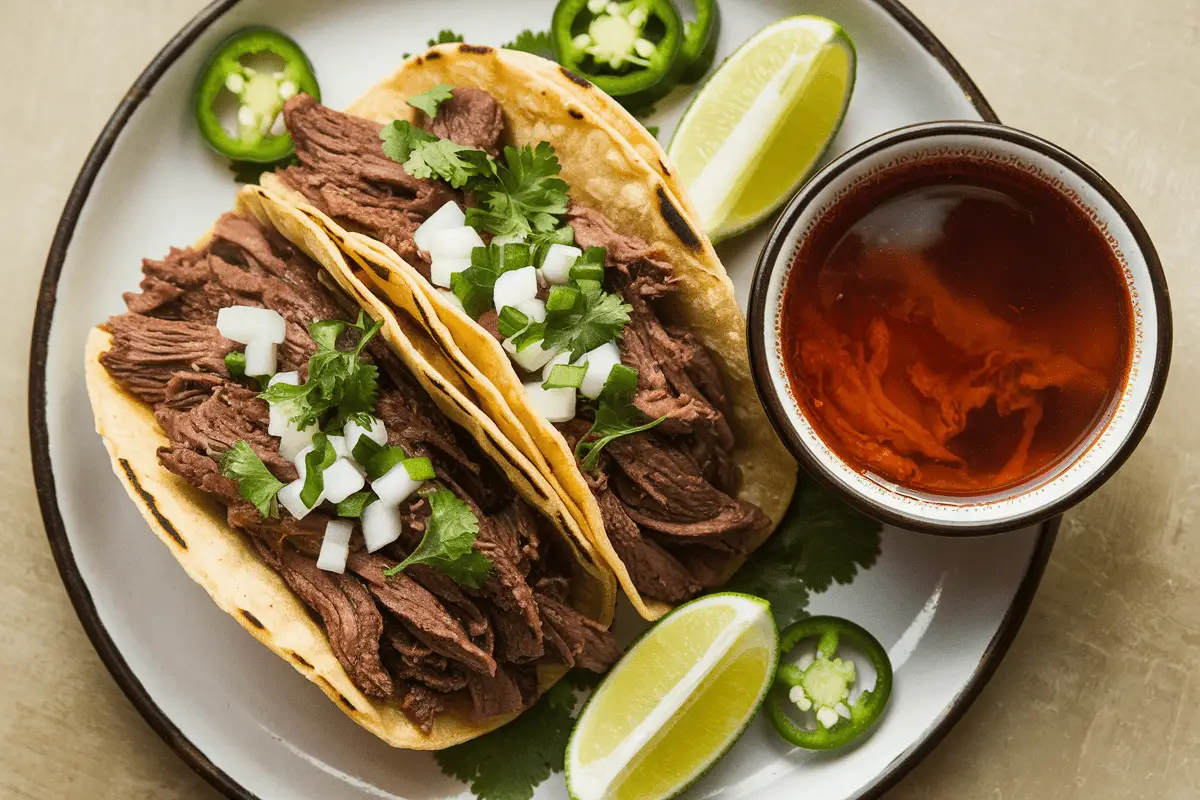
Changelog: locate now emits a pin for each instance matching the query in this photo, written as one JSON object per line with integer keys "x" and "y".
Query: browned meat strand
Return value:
{"x": 147, "y": 352}
{"x": 676, "y": 484}
{"x": 349, "y": 616}
{"x": 344, "y": 172}
{"x": 471, "y": 118}
{"x": 168, "y": 352}
{"x": 582, "y": 642}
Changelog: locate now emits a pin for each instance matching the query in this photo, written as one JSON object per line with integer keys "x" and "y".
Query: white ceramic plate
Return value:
{"x": 947, "y": 608}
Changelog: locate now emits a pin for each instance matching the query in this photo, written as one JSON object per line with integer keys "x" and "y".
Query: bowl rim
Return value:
{"x": 770, "y": 259}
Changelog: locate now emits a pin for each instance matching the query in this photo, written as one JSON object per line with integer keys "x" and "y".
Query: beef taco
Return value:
{"x": 566, "y": 281}
{"x": 331, "y": 485}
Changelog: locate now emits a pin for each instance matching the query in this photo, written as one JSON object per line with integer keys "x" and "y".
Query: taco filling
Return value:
{"x": 432, "y": 579}
{"x": 575, "y": 303}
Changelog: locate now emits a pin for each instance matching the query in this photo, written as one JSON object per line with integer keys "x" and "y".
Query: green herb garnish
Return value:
{"x": 596, "y": 317}
{"x": 255, "y": 482}
{"x": 235, "y": 362}
{"x": 529, "y": 42}
{"x": 565, "y": 376}
{"x": 525, "y": 194}
{"x": 447, "y": 545}
{"x": 320, "y": 458}
{"x": 419, "y": 468}
{"x": 616, "y": 416}
{"x": 512, "y": 321}
{"x": 340, "y": 387}
{"x": 430, "y": 100}
{"x": 821, "y": 541}
{"x": 475, "y": 285}
{"x": 426, "y": 156}
{"x": 509, "y": 764}
{"x": 354, "y": 505}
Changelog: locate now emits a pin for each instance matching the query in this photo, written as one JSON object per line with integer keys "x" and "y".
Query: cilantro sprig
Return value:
{"x": 524, "y": 193}
{"x": 447, "y": 545}
{"x": 255, "y": 482}
{"x": 595, "y": 317}
{"x": 510, "y": 763}
{"x": 426, "y": 156}
{"x": 528, "y": 41}
{"x": 430, "y": 100}
{"x": 340, "y": 387}
{"x": 616, "y": 416}
{"x": 474, "y": 285}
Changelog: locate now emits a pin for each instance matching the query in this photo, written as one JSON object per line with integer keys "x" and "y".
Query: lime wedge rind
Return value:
{"x": 750, "y": 630}
{"x": 800, "y": 74}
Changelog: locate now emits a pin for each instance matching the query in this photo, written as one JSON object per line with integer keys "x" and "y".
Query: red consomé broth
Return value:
{"x": 956, "y": 327}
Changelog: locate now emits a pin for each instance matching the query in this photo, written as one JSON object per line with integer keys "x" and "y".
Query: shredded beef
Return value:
{"x": 199, "y": 471}
{"x": 411, "y": 660}
{"x": 147, "y": 352}
{"x": 664, "y": 490}
{"x": 344, "y": 172}
{"x": 421, "y": 612}
{"x": 421, "y": 706}
{"x": 347, "y": 612}
{"x": 583, "y": 642}
{"x": 470, "y": 117}
{"x": 496, "y": 694}
{"x": 639, "y": 265}
{"x": 655, "y": 572}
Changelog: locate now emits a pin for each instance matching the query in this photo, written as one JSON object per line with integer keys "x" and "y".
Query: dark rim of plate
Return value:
{"x": 56, "y": 531}
{"x": 772, "y": 255}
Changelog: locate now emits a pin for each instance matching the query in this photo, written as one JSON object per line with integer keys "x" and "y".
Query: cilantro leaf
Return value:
{"x": 255, "y": 482}
{"x": 445, "y": 36}
{"x": 616, "y": 416}
{"x": 597, "y": 317}
{"x": 340, "y": 387}
{"x": 474, "y": 285}
{"x": 820, "y": 541}
{"x": 320, "y": 458}
{"x": 508, "y": 764}
{"x": 525, "y": 195}
{"x": 447, "y": 543}
{"x": 430, "y": 100}
{"x": 401, "y": 138}
{"x": 529, "y": 42}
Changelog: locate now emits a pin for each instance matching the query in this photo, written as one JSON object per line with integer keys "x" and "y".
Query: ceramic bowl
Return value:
{"x": 1114, "y": 436}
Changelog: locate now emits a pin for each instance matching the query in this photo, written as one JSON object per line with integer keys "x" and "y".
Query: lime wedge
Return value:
{"x": 676, "y": 702}
{"x": 758, "y": 127}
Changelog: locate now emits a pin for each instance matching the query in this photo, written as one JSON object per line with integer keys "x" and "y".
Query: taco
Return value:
{"x": 429, "y": 579}
{"x": 544, "y": 251}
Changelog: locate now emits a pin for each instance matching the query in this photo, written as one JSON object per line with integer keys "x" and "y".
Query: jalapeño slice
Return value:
{"x": 823, "y": 685}
{"x": 700, "y": 40}
{"x": 260, "y": 94}
{"x": 625, "y": 48}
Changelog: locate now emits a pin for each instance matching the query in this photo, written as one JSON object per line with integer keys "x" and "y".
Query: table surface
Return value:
{"x": 1099, "y": 696}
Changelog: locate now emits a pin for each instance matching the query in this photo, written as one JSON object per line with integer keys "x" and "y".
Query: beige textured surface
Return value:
{"x": 1100, "y": 695}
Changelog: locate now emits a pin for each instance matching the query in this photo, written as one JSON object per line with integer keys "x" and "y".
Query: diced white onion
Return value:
{"x": 444, "y": 269}
{"x": 261, "y": 358}
{"x": 556, "y": 268}
{"x": 341, "y": 480}
{"x": 532, "y": 358}
{"x": 377, "y": 433}
{"x": 561, "y": 358}
{"x": 381, "y": 525}
{"x": 394, "y": 486}
{"x": 453, "y": 242}
{"x": 279, "y": 418}
{"x": 335, "y": 546}
{"x": 448, "y": 217}
{"x": 515, "y": 287}
{"x": 451, "y": 298}
{"x": 339, "y": 446}
{"x": 289, "y": 498}
{"x": 556, "y": 405}
{"x": 534, "y": 309}
{"x": 292, "y": 441}
{"x": 600, "y": 363}
{"x": 292, "y": 378}
{"x": 246, "y": 324}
